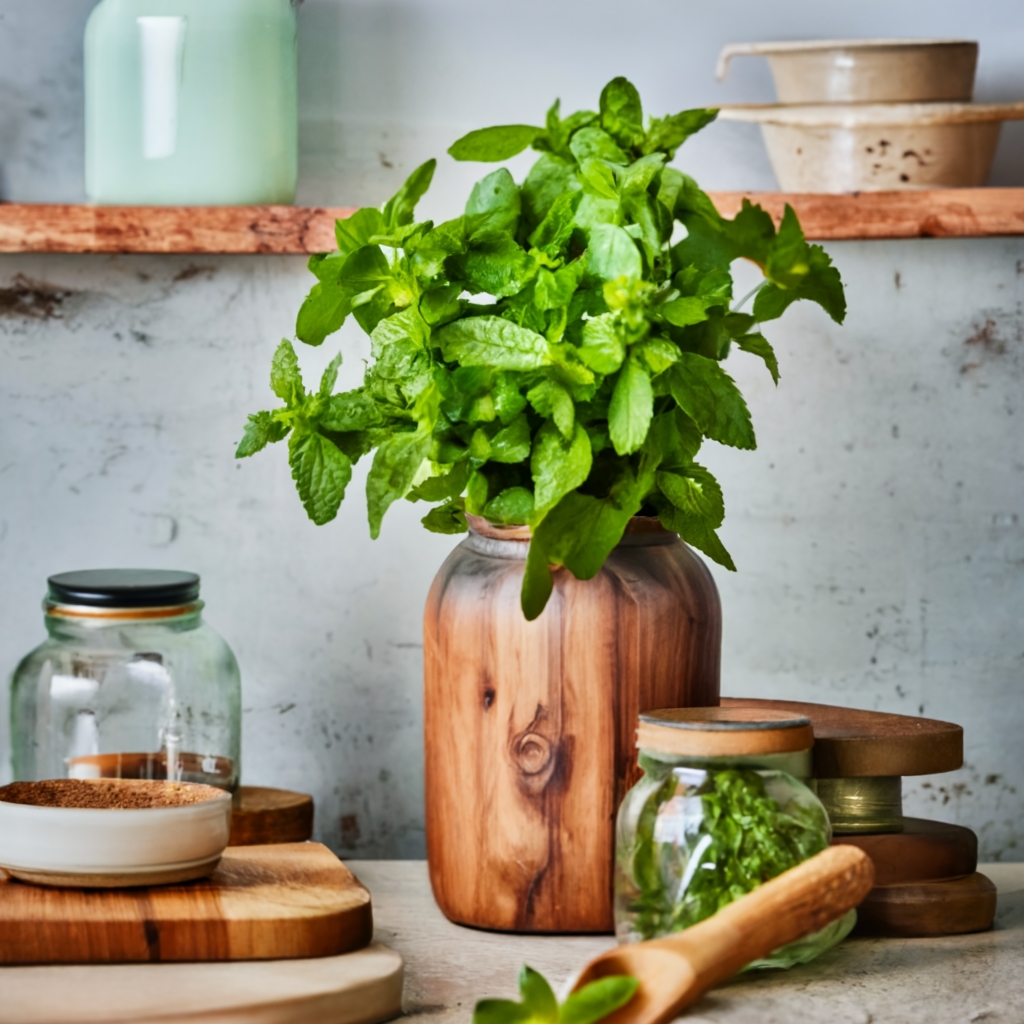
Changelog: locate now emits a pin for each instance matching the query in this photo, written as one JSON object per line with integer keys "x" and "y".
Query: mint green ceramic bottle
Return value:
{"x": 191, "y": 102}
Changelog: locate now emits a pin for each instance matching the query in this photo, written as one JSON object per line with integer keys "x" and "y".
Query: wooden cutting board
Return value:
{"x": 853, "y": 744}
{"x": 951, "y": 907}
{"x": 358, "y": 988}
{"x": 262, "y": 903}
{"x": 925, "y": 851}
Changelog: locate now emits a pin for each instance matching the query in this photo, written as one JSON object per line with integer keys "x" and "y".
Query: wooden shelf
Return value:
{"x": 939, "y": 213}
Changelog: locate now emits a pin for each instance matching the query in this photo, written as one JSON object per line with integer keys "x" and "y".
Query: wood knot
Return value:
{"x": 532, "y": 753}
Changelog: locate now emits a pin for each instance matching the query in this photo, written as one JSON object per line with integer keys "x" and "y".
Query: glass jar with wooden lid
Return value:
{"x": 723, "y": 806}
{"x": 130, "y": 683}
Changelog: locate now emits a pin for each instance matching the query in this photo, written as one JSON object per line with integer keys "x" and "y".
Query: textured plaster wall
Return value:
{"x": 877, "y": 528}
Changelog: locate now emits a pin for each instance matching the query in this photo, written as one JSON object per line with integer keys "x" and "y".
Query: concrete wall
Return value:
{"x": 877, "y": 528}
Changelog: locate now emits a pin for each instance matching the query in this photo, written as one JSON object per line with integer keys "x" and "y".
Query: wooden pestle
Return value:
{"x": 676, "y": 970}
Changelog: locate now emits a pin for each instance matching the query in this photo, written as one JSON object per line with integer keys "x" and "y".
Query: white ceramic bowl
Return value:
{"x": 879, "y": 147}
{"x": 865, "y": 70}
{"x": 95, "y": 847}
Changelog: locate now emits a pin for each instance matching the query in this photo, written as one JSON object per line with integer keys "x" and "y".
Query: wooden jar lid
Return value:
{"x": 850, "y": 743}
{"x": 925, "y": 851}
{"x": 263, "y": 815}
{"x": 723, "y": 732}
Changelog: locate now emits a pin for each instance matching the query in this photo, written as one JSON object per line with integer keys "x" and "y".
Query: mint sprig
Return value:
{"x": 592, "y": 1003}
{"x": 551, "y": 357}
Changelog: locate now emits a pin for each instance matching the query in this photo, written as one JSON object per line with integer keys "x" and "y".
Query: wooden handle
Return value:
{"x": 676, "y": 970}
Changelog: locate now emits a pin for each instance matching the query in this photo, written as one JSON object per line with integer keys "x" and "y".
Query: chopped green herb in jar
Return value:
{"x": 704, "y": 837}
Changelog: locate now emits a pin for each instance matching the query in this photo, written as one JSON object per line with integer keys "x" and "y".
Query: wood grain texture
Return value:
{"x": 850, "y": 743}
{"x": 530, "y": 727}
{"x": 38, "y": 227}
{"x": 952, "y": 907}
{"x": 929, "y": 213}
{"x": 167, "y": 229}
{"x": 363, "y": 987}
{"x": 262, "y": 815}
{"x": 262, "y": 903}
{"x": 924, "y": 851}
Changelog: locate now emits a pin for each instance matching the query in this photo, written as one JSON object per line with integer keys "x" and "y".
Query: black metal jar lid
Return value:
{"x": 124, "y": 588}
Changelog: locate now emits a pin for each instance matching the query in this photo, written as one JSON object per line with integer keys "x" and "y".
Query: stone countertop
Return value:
{"x": 953, "y": 980}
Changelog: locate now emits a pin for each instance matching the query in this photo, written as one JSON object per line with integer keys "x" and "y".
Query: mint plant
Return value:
{"x": 551, "y": 357}
{"x": 539, "y": 1005}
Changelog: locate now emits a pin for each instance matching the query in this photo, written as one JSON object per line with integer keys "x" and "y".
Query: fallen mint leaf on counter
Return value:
{"x": 592, "y": 1003}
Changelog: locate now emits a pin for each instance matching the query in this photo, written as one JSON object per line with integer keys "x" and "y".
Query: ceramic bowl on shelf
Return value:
{"x": 878, "y": 147}
{"x": 111, "y": 832}
{"x": 865, "y": 70}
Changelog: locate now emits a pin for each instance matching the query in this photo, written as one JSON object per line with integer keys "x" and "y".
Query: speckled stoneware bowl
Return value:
{"x": 833, "y": 147}
{"x": 111, "y": 832}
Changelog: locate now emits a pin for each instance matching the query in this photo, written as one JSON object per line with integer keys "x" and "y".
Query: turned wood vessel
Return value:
{"x": 530, "y": 726}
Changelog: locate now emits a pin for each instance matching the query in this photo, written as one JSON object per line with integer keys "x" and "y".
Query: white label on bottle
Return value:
{"x": 162, "y": 49}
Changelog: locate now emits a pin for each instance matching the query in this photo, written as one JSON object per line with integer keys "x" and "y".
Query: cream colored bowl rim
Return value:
{"x": 859, "y": 115}
{"x": 817, "y": 45}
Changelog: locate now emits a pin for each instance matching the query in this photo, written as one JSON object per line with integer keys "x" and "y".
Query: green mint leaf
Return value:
{"x": 638, "y": 175}
{"x": 321, "y": 472}
{"x": 558, "y": 466}
{"x": 495, "y": 264}
{"x": 500, "y": 1011}
{"x": 323, "y": 312}
{"x": 556, "y": 227}
{"x": 285, "y": 376}
{"x": 511, "y": 444}
{"x": 401, "y": 207}
{"x": 622, "y": 114}
{"x": 549, "y": 177}
{"x": 612, "y": 253}
{"x": 493, "y": 342}
{"x": 405, "y": 325}
{"x": 696, "y": 493}
{"x": 658, "y": 354}
{"x": 598, "y": 179}
{"x": 667, "y": 134}
{"x": 330, "y": 377}
{"x": 697, "y": 533}
{"x": 489, "y": 145}
{"x": 356, "y": 231}
{"x": 353, "y": 410}
{"x": 597, "y": 1000}
{"x": 444, "y": 486}
{"x": 579, "y": 533}
{"x": 494, "y": 205}
{"x": 632, "y": 406}
{"x": 788, "y": 259}
{"x": 821, "y": 284}
{"x": 602, "y": 347}
{"x": 684, "y": 311}
{"x": 594, "y": 144}
{"x": 394, "y": 468}
{"x": 709, "y": 396}
{"x": 553, "y": 401}
{"x": 260, "y": 430}
{"x": 537, "y": 996}
{"x": 448, "y": 518}
{"x": 674, "y": 439}
{"x": 555, "y": 290}
{"x": 757, "y": 345}
{"x": 512, "y": 507}
{"x": 373, "y": 286}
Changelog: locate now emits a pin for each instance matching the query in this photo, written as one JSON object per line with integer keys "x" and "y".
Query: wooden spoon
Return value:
{"x": 676, "y": 970}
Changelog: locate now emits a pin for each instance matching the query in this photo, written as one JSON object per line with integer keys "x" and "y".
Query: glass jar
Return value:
{"x": 130, "y": 683}
{"x": 722, "y": 807}
{"x": 191, "y": 102}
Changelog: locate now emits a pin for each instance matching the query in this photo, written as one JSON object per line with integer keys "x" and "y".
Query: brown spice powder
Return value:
{"x": 107, "y": 794}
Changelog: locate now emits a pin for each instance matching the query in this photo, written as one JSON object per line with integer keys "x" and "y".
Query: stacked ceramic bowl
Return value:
{"x": 873, "y": 114}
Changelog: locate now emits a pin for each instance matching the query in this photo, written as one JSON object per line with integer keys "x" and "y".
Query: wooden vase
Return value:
{"x": 529, "y": 726}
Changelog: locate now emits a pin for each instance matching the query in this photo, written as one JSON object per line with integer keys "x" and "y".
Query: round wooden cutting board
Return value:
{"x": 357, "y": 988}
{"x": 850, "y": 743}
